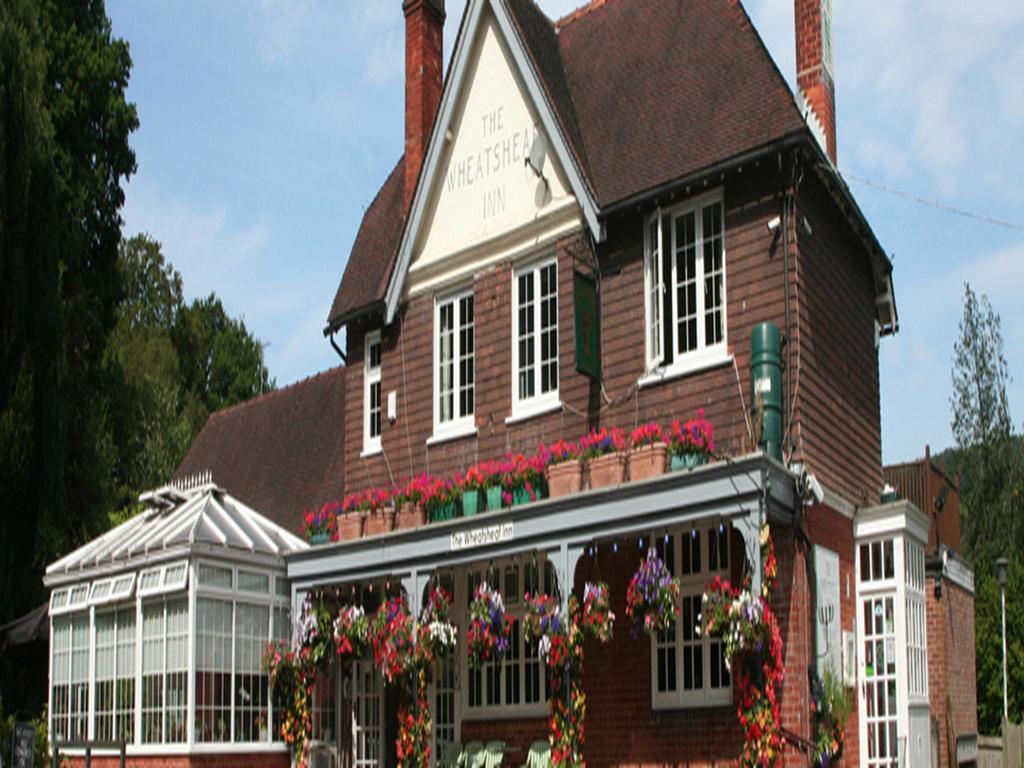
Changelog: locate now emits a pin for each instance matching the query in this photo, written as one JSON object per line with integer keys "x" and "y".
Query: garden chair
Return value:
{"x": 474, "y": 755}
{"x": 539, "y": 755}
{"x": 495, "y": 751}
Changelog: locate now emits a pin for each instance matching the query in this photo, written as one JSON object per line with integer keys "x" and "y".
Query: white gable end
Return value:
{"x": 485, "y": 204}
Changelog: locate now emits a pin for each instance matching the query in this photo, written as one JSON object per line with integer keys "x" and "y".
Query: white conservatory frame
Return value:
{"x": 160, "y": 554}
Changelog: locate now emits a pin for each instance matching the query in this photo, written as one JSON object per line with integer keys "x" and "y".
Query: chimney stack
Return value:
{"x": 424, "y": 29}
{"x": 814, "y": 65}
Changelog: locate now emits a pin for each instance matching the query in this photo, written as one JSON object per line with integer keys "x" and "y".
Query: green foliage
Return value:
{"x": 41, "y": 750}
{"x": 989, "y": 461}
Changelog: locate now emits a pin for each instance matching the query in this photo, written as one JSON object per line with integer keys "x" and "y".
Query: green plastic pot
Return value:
{"x": 686, "y": 461}
{"x": 470, "y": 503}
{"x": 494, "y": 498}
{"x": 319, "y": 538}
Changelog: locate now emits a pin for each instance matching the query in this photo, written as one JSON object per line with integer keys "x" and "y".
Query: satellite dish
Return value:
{"x": 538, "y": 154}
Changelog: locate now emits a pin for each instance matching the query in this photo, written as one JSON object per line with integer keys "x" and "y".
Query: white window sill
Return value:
{"x": 368, "y": 452}
{"x": 688, "y": 365}
{"x": 532, "y": 410}
{"x": 452, "y": 433}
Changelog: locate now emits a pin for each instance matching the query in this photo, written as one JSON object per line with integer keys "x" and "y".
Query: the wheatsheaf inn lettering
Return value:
{"x": 480, "y": 537}
{"x": 502, "y": 148}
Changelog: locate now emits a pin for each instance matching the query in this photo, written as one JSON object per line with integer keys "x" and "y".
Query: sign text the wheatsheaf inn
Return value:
{"x": 502, "y": 147}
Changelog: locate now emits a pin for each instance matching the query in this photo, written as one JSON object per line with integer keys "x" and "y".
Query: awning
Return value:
{"x": 33, "y": 627}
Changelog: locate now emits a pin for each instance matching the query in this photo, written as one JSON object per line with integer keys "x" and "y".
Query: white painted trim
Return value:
{"x": 457, "y": 426}
{"x": 525, "y": 408}
{"x": 372, "y": 376}
{"x": 448, "y": 436}
{"x": 892, "y": 518}
{"x": 695, "y": 362}
{"x": 539, "y": 409}
{"x": 449, "y": 97}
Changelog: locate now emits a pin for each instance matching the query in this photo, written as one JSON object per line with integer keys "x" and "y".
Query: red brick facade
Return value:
{"x": 951, "y": 672}
{"x": 835, "y": 371}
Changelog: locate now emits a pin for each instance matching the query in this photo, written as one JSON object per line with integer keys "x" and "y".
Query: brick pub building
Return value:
{"x": 650, "y": 155}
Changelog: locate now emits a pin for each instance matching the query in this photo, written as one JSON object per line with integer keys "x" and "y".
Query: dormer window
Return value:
{"x": 535, "y": 339}
{"x": 372, "y": 393}
{"x": 684, "y": 286}
{"x": 454, "y": 365}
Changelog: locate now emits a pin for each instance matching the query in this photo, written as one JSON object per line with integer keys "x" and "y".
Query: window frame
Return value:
{"x": 538, "y": 403}
{"x": 692, "y": 585}
{"x": 656, "y": 238}
{"x": 372, "y": 375}
{"x": 547, "y": 580}
{"x": 457, "y": 425}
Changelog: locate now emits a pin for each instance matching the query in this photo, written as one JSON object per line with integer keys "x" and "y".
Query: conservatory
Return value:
{"x": 158, "y": 627}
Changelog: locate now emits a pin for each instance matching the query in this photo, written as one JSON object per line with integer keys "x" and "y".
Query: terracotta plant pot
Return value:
{"x": 350, "y": 526}
{"x": 647, "y": 461}
{"x": 565, "y": 478}
{"x": 607, "y": 470}
{"x": 410, "y": 516}
{"x": 379, "y": 521}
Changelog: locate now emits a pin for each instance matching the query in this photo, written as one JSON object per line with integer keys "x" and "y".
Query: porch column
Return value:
{"x": 749, "y": 527}
{"x": 565, "y": 569}
{"x": 414, "y": 583}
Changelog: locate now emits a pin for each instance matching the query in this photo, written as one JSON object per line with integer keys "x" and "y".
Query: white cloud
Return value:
{"x": 204, "y": 243}
{"x": 999, "y": 274}
{"x": 281, "y": 28}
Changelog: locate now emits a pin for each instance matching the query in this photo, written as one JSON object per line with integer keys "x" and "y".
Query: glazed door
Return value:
{"x": 878, "y": 687}
{"x": 367, "y": 716}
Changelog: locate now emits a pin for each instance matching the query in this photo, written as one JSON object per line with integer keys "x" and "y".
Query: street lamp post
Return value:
{"x": 1001, "y": 565}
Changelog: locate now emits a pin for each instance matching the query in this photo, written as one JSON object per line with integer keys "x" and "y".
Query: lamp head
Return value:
{"x": 1001, "y": 565}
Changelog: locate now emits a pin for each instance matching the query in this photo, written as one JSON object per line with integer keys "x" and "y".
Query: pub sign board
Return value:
{"x": 587, "y": 325}
{"x": 23, "y": 748}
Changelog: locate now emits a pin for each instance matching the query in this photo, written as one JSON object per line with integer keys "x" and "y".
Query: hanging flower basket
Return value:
{"x": 391, "y": 638}
{"x": 597, "y": 619}
{"x": 290, "y": 677}
{"x": 316, "y": 633}
{"x": 487, "y": 636}
{"x": 652, "y": 599}
{"x": 435, "y": 634}
{"x": 319, "y": 525}
{"x": 351, "y": 630}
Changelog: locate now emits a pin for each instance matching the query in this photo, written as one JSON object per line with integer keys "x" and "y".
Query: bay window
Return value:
{"x": 684, "y": 286}
{"x": 372, "y": 393}
{"x": 454, "y": 365}
{"x": 687, "y": 668}
{"x": 535, "y": 339}
{"x": 115, "y": 675}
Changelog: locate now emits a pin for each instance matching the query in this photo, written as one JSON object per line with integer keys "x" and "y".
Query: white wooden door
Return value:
{"x": 367, "y": 716}
{"x": 879, "y": 703}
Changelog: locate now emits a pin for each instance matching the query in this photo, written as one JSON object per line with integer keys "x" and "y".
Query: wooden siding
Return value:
{"x": 836, "y": 427}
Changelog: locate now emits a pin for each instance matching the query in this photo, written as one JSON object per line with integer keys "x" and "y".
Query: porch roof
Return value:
{"x": 744, "y": 490}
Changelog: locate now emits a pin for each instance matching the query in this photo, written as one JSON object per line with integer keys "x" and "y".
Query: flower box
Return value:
{"x": 647, "y": 461}
{"x": 607, "y": 470}
{"x": 379, "y": 521}
{"x": 681, "y": 461}
{"x": 321, "y": 537}
{"x": 520, "y": 496}
{"x": 493, "y": 498}
{"x": 564, "y": 478}
{"x": 443, "y": 511}
{"x": 410, "y": 516}
{"x": 350, "y": 526}
{"x": 470, "y": 503}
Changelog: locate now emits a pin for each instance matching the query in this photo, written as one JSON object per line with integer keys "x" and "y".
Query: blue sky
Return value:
{"x": 267, "y": 127}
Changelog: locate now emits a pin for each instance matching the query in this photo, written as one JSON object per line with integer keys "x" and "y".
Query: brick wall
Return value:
{"x": 951, "y": 673}
{"x": 836, "y": 367}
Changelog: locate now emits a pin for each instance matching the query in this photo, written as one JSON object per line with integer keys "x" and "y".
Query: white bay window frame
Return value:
{"x": 373, "y": 404}
{"x": 670, "y": 647}
{"x": 455, "y": 348}
{"x": 662, "y": 240}
{"x": 526, "y": 405}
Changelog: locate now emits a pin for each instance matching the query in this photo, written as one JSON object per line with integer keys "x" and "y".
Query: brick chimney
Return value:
{"x": 424, "y": 29}
{"x": 814, "y": 65}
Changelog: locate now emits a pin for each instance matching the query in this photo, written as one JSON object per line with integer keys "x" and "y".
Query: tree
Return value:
{"x": 990, "y": 465}
{"x": 64, "y": 127}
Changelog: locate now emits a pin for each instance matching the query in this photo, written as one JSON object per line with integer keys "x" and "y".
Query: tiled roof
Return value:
{"x": 281, "y": 453}
{"x": 661, "y": 95}
{"x": 373, "y": 253}
{"x": 645, "y": 92}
